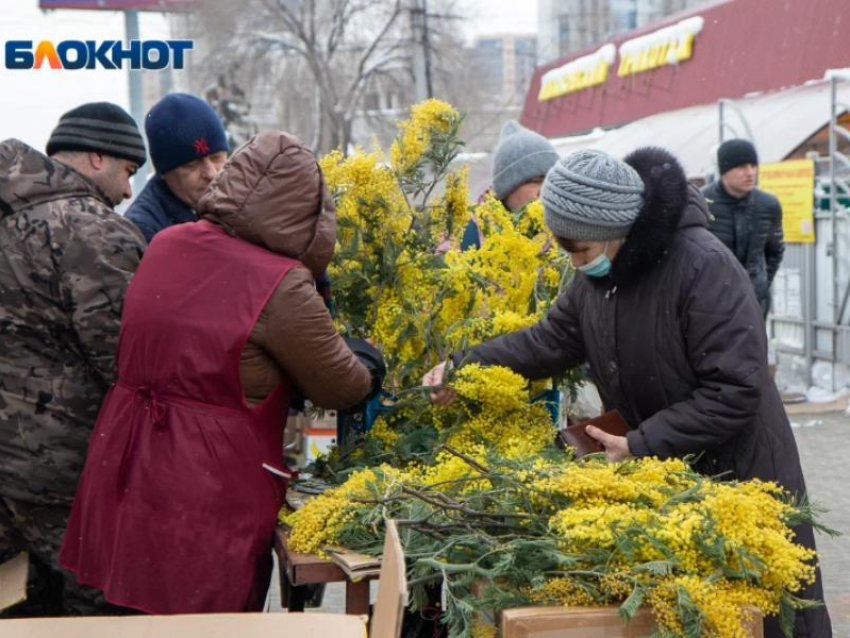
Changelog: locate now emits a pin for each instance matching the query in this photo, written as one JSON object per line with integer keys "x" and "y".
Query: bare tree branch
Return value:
{"x": 279, "y": 42}
{"x": 379, "y": 39}
{"x": 334, "y": 55}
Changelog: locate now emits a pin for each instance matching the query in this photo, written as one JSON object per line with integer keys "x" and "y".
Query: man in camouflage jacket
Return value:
{"x": 65, "y": 260}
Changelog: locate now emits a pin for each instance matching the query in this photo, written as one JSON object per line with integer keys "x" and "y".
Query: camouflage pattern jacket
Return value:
{"x": 65, "y": 261}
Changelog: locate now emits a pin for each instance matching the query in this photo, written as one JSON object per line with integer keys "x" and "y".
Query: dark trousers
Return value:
{"x": 51, "y": 590}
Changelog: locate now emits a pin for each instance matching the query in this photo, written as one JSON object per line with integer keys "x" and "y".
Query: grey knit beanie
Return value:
{"x": 520, "y": 156}
{"x": 590, "y": 196}
{"x": 99, "y": 127}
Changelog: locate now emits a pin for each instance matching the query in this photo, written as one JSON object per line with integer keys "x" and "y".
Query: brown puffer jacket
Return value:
{"x": 271, "y": 193}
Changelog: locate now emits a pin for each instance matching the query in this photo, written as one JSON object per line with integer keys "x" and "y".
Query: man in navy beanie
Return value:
{"x": 188, "y": 147}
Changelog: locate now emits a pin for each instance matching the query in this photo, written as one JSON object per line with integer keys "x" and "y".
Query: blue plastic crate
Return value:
{"x": 552, "y": 400}
{"x": 360, "y": 421}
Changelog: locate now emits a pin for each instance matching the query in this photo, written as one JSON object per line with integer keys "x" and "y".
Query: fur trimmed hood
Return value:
{"x": 670, "y": 203}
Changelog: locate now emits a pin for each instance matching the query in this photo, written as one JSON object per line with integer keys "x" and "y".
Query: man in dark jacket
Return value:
{"x": 65, "y": 261}
{"x": 747, "y": 220}
{"x": 188, "y": 148}
{"x": 668, "y": 321}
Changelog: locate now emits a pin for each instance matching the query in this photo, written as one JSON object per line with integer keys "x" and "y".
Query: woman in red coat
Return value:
{"x": 178, "y": 500}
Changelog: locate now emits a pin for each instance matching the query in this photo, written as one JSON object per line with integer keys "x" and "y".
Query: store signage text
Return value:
{"x": 581, "y": 73}
{"x": 669, "y": 45}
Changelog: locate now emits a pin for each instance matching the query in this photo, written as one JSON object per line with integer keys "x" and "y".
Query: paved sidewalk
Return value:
{"x": 332, "y": 602}
{"x": 824, "y": 443}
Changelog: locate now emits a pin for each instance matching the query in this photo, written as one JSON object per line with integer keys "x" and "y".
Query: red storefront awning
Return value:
{"x": 742, "y": 47}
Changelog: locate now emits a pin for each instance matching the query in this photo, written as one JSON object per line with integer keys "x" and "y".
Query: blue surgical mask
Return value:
{"x": 599, "y": 266}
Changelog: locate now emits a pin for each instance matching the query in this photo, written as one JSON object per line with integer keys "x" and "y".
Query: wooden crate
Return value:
{"x": 585, "y": 622}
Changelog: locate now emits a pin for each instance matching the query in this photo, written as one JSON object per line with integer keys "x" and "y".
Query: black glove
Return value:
{"x": 323, "y": 287}
{"x": 372, "y": 358}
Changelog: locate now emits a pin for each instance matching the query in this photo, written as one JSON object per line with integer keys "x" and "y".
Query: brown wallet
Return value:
{"x": 575, "y": 435}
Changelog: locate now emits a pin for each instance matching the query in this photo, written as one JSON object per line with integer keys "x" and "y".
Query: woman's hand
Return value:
{"x": 616, "y": 447}
{"x": 435, "y": 378}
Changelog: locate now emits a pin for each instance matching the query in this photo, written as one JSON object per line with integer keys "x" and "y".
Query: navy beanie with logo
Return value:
{"x": 182, "y": 128}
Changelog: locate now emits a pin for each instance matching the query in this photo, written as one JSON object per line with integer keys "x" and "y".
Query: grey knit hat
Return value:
{"x": 520, "y": 156}
{"x": 590, "y": 196}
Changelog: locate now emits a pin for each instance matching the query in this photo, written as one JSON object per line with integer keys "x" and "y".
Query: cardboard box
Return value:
{"x": 392, "y": 588}
{"x": 327, "y": 420}
{"x": 386, "y": 621}
{"x": 299, "y": 424}
{"x": 190, "y": 626}
{"x": 293, "y": 434}
{"x": 319, "y": 434}
{"x": 13, "y": 580}
{"x": 318, "y": 440}
{"x": 585, "y": 622}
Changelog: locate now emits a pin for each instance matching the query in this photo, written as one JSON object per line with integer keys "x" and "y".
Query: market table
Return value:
{"x": 308, "y": 569}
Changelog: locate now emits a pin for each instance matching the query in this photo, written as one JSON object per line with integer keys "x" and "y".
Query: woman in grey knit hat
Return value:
{"x": 670, "y": 325}
{"x": 520, "y": 162}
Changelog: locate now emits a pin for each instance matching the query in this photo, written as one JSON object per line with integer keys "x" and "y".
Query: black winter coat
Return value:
{"x": 751, "y": 227}
{"x": 676, "y": 341}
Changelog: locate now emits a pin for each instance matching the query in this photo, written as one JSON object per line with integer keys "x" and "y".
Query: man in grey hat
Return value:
{"x": 65, "y": 260}
{"x": 663, "y": 313}
{"x": 520, "y": 162}
{"x": 102, "y": 142}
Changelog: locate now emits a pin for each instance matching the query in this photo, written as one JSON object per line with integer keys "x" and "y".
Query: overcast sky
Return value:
{"x": 32, "y": 101}
{"x": 501, "y": 16}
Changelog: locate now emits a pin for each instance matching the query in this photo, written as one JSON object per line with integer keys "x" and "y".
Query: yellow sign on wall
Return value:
{"x": 581, "y": 73}
{"x": 793, "y": 182}
{"x": 669, "y": 45}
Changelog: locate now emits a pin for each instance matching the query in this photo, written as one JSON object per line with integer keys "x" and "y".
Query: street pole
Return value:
{"x": 421, "y": 54}
{"x": 832, "y": 248}
{"x": 721, "y": 118}
{"x": 131, "y": 32}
